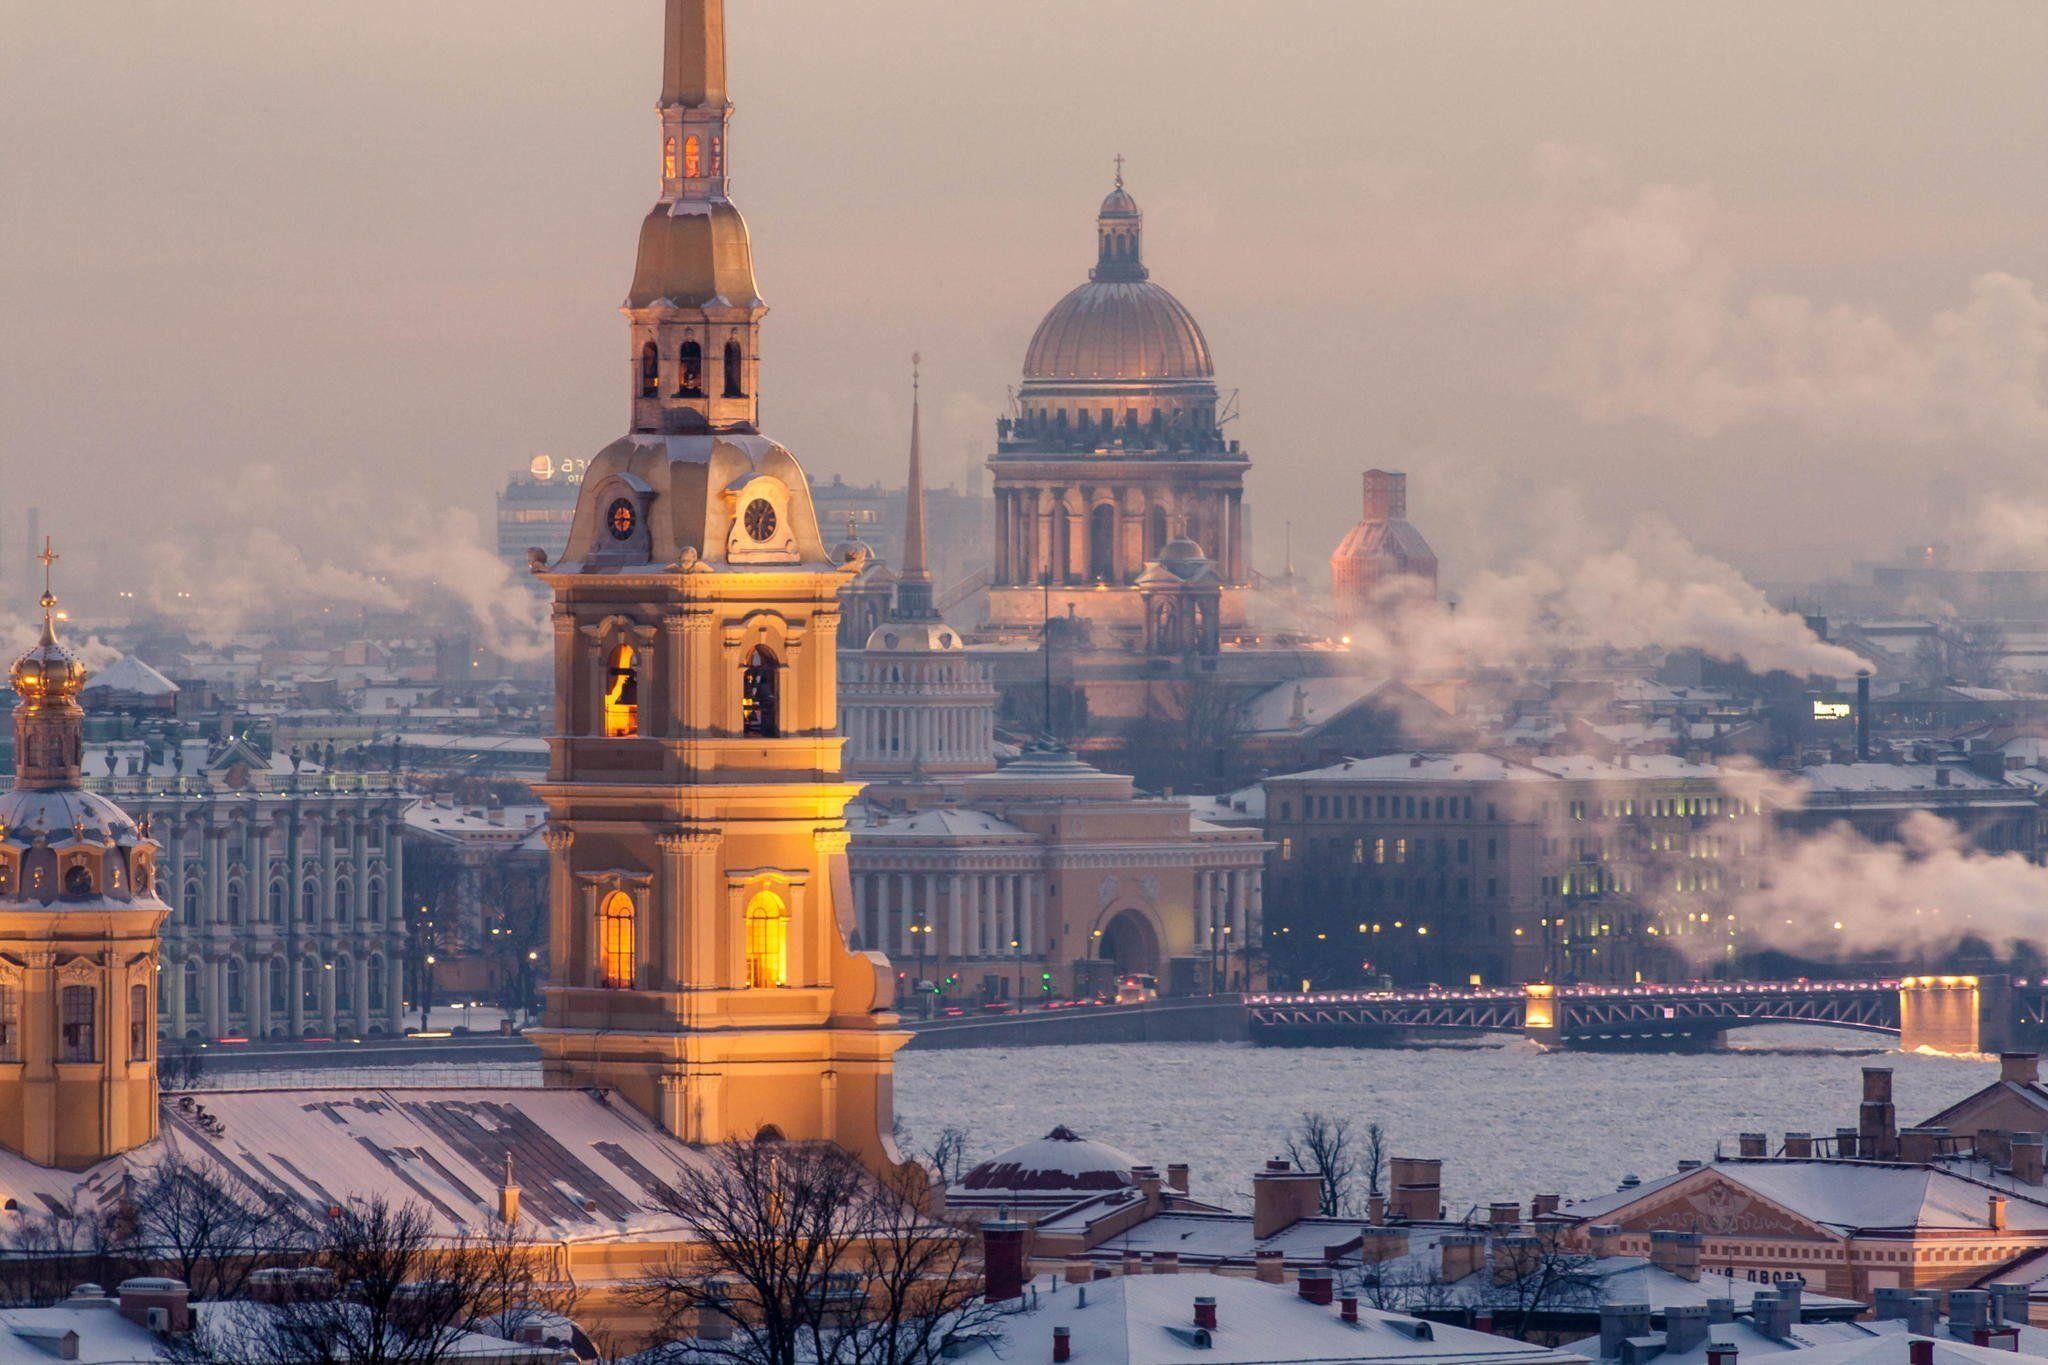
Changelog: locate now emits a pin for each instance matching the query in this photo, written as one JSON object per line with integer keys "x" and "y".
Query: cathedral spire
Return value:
{"x": 49, "y": 726}
{"x": 693, "y": 57}
{"x": 914, "y": 586}
{"x": 1119, "y": 235}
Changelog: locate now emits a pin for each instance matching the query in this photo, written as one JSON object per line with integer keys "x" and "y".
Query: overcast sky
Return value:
{"x": 319, "y": 269}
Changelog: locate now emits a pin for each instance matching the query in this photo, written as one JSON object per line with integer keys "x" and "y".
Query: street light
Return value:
{"x": 922, "y": 934}
{"x": 1017, "y": 949}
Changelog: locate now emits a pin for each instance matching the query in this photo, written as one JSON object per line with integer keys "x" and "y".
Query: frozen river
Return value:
{"x": 1509, "y": 1120}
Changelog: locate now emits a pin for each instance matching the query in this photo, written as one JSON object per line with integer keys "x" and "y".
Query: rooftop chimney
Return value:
{"x": 1605, "y": 1239}
{"x": 1282, "y": 1197}
{"x": 1619, "y": 1322}
{"x": 1460, "y": 1252}
{"x": 1166, "y": 1263}
{"x": 1062, "y": 1345}
{"x": 1205, "y": 1312}
{"x": 1504, "y": 1215}
{"x": 1004, "y": 1258}
{"x": 2019, "y": 1068}
{"x": 1968, "y": 1310}
{"x": 1544, "y": 1204}
{"x": 1799, "y": 1144}
{"x": 1920, "y": 1352}
{"x": 1347, "y": 1305}
{"x": 1316, "y": 1287}
{"x": 1269, "y": 1267}
{"x": 2027, "y": 1158}
{"x": 1685, "y": 1327}
{"x": 1677, "y": 1253}
{"x": 1719, "y": 1354}
{"x": 1918, "y": 1146}
{"x": 1753, "y": 1145}
{"x": 1994, "y": 1218}
{"x": 162, "y": 1305}
{"x": 1177, "y": 1176}
{"x": 1418, "y": 1186}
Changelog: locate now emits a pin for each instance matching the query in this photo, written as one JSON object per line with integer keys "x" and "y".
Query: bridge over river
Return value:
{"x": 1953, "y": 1014}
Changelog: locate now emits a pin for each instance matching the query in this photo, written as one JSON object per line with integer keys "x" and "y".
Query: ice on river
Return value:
{"x": 1509, "y": 1119}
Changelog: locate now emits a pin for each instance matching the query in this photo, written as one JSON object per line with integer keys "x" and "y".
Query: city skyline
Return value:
{"x": 1525, "y": 268}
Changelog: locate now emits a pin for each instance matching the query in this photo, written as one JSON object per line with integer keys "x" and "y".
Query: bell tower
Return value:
{"x": 699, "y": 893}
{"x": 79, "y": 917}
{"x": 693, "y": 309}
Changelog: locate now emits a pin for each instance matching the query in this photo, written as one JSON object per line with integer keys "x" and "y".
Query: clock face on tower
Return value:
{"x": 619, "y": 518}
{"x": 759, "y": 519}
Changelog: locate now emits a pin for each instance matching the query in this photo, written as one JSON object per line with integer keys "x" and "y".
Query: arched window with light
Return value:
{"x": 615, "y": 942}
{"x": 767, "y": 940}
{"x": 690, "y": 370}
{"x": 761, "y": 695}
{"x": 650, "y": 371}
{"x": 622, "y": 693}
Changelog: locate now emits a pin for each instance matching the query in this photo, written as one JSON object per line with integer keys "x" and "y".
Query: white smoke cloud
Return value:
{"x": 1836, "y": 894}
{"x": 1661, "y": 328}
{"x": 1651, "y": 590}
{"x": 451, "y": 556}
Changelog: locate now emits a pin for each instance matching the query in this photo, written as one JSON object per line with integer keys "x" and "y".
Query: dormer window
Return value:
{"x": 622, "y": 694}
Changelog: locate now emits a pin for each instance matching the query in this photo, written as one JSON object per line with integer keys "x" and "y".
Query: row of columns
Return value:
{"x": 969, "y": 914}
{"x": 1036, "y": 528}
{"x": 1228, "y": 899}
{"x": 186, "y": 842}
{"x": 210, "y": 1013}
{"x": 883, "y": 733}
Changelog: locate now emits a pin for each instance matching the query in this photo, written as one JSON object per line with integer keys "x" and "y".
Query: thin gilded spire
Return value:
{"x": 914, "y": 581}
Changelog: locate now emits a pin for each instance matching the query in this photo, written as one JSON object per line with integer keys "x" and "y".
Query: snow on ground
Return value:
{"x": 496, "y": 1075}
{"x": 1509, "y": 1119}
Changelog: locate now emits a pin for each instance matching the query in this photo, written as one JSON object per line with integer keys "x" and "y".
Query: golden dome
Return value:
{"x": 49, "y": 671}
{"x": 1118, "y": 331}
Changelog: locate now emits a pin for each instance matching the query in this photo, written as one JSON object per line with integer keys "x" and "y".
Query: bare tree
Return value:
{"x": 210, "y": 1229}
{"x": 1538, "y": 1275}
{"x": 384, "y": 1288}
{"x": 44, "y": 1256}
{"x": 801, "y": 1256}
{"x": 1322, "y": 1143}
{"x": 1372, "y": 1158}
{"x": 948, "y": 1155}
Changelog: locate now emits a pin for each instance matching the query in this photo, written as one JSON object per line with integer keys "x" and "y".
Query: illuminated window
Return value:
{"x": 622, "y": 694}
{"x": 138, "y": 1023}
{"x": 767, "y": 940}
{"x": 650, "y": 371}
{"x": 735, "y": 371}
{"x": 690, "y": 371}
{"x": 615, "y": 942}
{"x": 760, "y": 684}
{"x": 76, "y": 1011}
{"x": 10, "y": 1022}
{"x": 693, "y": 157}
{"x": 668, "y": 159}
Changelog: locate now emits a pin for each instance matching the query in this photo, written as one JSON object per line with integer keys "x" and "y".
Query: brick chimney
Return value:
{"x": 1460, "y": 1254}
{"x": 1418, "y": 1186}
{"x": 1316, "y": 1287}
{"x": 1514, "y": 1256}
{"x": 1283, "y": 1197}
{"x": 1920, "y": 1352}
{"x": 1685, "y": 1327}
{"x": 1877, "y": 1121}
{"x": 2027, "y": 1158}
{"x": 1994, "y": 1218}
{"x": 162, "y": 1305}
{"x": 1269, "y": 1267}
{"x": 1676, "y": 1252}
{"x": 1799, "y": 1144}
{"x": 1718, "y": 1354}
{"x": 1205, "y": 1311}
{"x": 1502, "y": 1216}
{"x": 1753, "y": 1144}
{"x": 1005, "y": 1258}
{"x": 1166, "y": 1263}
{"x": 1177, "y": 1176}
{"x": 1619, "y": 1322}
{"x": 1605, "y": 1239}
{"x": 1544, "y": 1204}
{"x": 1080, "y": 1270}
{"x": 1381, "y": 1244}
{"x": 1062, "y": 1345}
{"x": 1375, "y": 1208}
{"x": 2019, "y": 1068}
{"x": 1917, "y": 1146}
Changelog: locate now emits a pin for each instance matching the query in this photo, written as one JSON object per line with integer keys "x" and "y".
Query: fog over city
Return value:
{"x": 293, "y": 279}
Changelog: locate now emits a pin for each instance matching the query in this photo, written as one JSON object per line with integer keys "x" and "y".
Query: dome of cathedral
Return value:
{"x": 1119, "y": 326}
{"x": 49, "y": 671}
{"x": 1061, "y": 1160}
{"x": 1118, "y": 330}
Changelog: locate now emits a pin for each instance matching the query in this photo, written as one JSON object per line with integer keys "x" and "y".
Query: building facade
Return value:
{"x": 1471, "y": 868}
{"x": 535, "y": 508}
{"x": 286, "y": 889}
{"x": 698, "y": 884}
{"x": 1050, "y": 879}
{"x": 1114, "y": 449}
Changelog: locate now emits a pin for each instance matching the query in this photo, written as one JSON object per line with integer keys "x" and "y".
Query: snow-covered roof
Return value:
{"x": 1321, "y": 700}
{"x": 1420, "y": 767}
{"x": 1845, "y": 1196}
{"x": 945, "y": 822}
{"x": 1149, "y": 1320}
{"x": 1893, "y": 777}
{"x": 1060, "y": 1162}
{"x": 589, "y": 1170}
{"x": 130, "y": 674}
{"x": 474, "y": 822}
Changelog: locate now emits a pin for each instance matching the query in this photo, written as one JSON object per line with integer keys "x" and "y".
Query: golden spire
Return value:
{"x": 49, "y": 672}
{"x": 914, "y": 585}
{"x": 693, "y": 56}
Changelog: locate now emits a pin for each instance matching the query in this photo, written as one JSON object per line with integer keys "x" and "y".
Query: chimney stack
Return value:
{"x": 1677, "y": 1253}
{"x": 1920, "y": 1353}
{"x": 1605, "y": 1239}
{"x": 1718, "y": 1354}
{"x": 1004, "y": 1260}
{"x": 1269, "y": 1267}
{"x": 1205, "y": 1311}
{"x": 1685, "y": 1327}
{"x": 1282, "y": 1197}
{"x": 2027, "y": 1158}
{"x": 2019, "y": 1068}
{"x": 1166, "y": 1263}
{"x": 1062, "y": 1345}
{"x": 1504, "y": 1215}
{"x": 1460, "y": 1253}
{"x": 1846, "y": 1145}
{"x": 1753, "y": 1145}
{"x": 1877, "y": 1121}
{"x": 1544, "y": 1204}
{"x": 1918, "y": 1146}
{"x": 1418, "y": 1185}
{"x": 1347, "y": 1305}
{"x": 1177, "y": 1176}
{"x": 162, "y": 1305}
{"x": 1619, "y": 1322}
{"x": 1316, "y": 1287}
{"x": 1799, "y": 1144}
{"x": 1994, "y": 1217}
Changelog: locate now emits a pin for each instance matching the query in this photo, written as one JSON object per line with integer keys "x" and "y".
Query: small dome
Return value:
{"x": 50, "y": 670}
{"x": 1119, "y": 330}
{"x": 1119, "y": 204}
{"x": 915, "y": 637}
{"x": 1061, "y": 1160}
{"x": 1183, "y": 556}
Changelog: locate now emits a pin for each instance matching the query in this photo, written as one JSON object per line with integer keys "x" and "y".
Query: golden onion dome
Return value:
{"x": 49, "y": 671}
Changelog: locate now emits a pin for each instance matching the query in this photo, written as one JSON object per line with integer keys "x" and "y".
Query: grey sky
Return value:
{"x": 1759, "y": 267}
